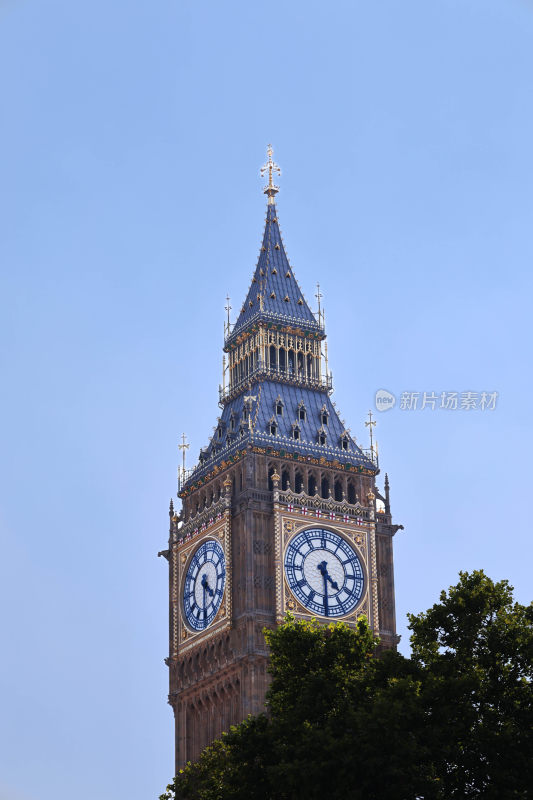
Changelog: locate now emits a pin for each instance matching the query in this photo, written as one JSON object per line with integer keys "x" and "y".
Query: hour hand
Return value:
{"x": 205, "y": 585}
{"x": 323, "y": 567}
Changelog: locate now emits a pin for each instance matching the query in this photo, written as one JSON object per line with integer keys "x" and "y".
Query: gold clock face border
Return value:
{"x": 358, "y": 541}
{"x": 187, "y": 636}
{"x": 212, "y": 538}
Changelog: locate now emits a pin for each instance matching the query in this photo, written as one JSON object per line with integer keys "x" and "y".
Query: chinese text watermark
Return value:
{"x": 448, "y": 401}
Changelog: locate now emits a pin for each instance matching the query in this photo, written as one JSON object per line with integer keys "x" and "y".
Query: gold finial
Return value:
{"x": 319, "y": 297}
{"x": 271, "y": 167}
{"x": 370, "y": 424}
{"x": 228, "y": 309}
{"x": 183, "y": 447}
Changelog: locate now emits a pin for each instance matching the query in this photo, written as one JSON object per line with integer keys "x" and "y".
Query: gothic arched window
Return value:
{"x": 291, "y": 362}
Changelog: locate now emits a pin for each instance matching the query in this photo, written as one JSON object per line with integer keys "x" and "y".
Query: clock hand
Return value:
{"x": 323, "y": 569}
{"x": 205, "y": 584}
{"x": 325, "y": 574}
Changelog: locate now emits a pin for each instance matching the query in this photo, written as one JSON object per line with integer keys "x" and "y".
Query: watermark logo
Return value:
{"x": 447, "y": 401}
{"x": 384, "y": 400}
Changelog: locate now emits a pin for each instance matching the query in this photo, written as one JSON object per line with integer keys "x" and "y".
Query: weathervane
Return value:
{"x": 271, "y": 167}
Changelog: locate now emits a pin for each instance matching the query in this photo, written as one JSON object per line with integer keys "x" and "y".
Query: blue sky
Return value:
{"x": 131, "y": 138}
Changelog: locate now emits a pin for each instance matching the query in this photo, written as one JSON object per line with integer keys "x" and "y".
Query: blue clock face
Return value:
{"x": 324, "y": 572}
{"x": 204, "y": 585}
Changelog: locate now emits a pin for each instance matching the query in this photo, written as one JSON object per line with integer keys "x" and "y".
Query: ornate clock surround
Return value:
{"x": 215, "y": 524}
{"x": 290, "y": 525}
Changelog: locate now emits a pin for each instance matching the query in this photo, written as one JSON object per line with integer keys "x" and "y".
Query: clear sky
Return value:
{"x": 130, "y": 204}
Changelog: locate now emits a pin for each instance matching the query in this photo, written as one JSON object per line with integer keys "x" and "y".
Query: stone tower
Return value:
{"x": 281, "y": 512}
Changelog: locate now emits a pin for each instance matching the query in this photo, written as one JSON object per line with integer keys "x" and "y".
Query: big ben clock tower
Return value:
{"x": 281, "y": 512}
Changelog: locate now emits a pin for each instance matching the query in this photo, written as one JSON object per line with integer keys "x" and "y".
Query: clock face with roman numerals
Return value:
{"x": 324, "y": 572}
{"x": 203, "y": 586}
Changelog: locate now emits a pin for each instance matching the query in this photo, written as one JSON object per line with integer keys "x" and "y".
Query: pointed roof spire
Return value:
{"x": 271, "y": 167}
{"x": 274, "y": 294}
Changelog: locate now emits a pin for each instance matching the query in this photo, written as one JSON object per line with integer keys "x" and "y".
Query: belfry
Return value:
{"x": 281, "y": 512}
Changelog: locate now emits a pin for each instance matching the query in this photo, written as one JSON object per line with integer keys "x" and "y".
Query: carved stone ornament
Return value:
{"x": 288, "y": 526}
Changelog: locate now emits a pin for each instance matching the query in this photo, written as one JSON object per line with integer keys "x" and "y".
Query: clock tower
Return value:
{"x": 281, "y": 512}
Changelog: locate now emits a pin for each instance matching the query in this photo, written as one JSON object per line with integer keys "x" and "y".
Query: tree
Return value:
{"x": 453, "y": 721}
{"x": 475, "y": 651}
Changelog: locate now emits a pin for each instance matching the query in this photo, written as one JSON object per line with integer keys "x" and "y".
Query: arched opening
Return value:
{"x": 309, "y": 365}
{"x": 325, "y": 488}
{"x": 338, "y": 490}
{"x": 311, "y": 485}
{"x": 282, "y": 359}
{"x": 291, "y": 362}
{"x": 351, "y": 493}
{"x": 272, "y": 363}
{"x": 298, "y": 482}
{"x": 300, "y": 364}
{"x": 285, "y": 480}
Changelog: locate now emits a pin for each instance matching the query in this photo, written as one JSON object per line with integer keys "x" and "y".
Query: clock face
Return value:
{"x": 204, "y": 585}
{"x": 324, "y": 572}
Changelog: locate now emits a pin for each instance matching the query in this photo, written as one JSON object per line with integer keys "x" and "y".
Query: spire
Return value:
{"x": 274, "y": 294}
{"x": 274, "y": 393}
{"x": 271, "y": 167}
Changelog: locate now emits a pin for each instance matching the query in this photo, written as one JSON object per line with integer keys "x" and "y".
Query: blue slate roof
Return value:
{"x": 282, "y": 303}
{"x": 233, "y": 432}
{"x": 283, "y": 300}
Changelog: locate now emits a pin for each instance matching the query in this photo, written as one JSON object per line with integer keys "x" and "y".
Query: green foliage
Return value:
{"x": 453, "y": 721}
{"x": 475, "y": 651}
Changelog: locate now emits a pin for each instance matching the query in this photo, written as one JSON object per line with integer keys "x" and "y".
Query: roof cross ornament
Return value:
{"x": 228, "y": 308}
{"x": 370, "y": 424}
{"x": 183, "y": 447}
{"x": 319, "y": 297}
{"x": 271, "y": 167}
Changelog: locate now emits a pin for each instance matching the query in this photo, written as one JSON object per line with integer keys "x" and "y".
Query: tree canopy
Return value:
{"x": 453, "y": 721}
